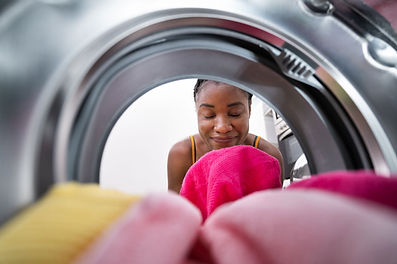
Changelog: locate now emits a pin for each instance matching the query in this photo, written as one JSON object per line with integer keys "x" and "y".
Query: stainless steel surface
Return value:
{"x": 68, "y": 69}
{"x": 382, "y": 52}
{"x": 324, "y": 7}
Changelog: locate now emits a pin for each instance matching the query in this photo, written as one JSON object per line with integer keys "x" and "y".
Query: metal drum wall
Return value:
{"x": 70, "y": 68}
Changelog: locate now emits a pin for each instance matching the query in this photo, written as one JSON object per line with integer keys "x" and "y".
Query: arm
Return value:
{"x": 275, "y": 152}
{"x": 179, "y": 161}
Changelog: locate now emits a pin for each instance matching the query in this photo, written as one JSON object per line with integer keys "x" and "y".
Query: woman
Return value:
{"x": 223, "y": 113}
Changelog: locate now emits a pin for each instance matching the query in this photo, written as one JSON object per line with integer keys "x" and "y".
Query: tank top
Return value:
{"x": 255, "y": 144}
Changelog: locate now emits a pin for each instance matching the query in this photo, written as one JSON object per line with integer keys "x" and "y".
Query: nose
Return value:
{"x": 222, "y": 125}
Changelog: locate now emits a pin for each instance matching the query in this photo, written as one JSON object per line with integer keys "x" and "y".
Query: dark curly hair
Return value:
{"x": 200, "y": 83}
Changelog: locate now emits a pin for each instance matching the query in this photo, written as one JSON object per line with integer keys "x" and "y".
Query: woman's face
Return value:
{"x": 223, "y": 113}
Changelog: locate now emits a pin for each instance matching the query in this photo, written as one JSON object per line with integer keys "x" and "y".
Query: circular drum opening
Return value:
{"x": 280, "y": 78}
{"x": 136, "y": 152}
{"x": 331, "y": 78}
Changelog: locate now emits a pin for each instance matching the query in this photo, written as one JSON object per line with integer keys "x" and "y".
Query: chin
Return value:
{"x": 222, "y": 146}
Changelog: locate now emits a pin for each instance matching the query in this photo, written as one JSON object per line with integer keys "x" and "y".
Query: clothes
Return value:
{"x": 255, "y": 144}
{"x": 193, "y": 142}
{"x": 161, "y": 228}
{"x": 300, "y": 226}
{"x": 227, "y": 174}
{"x": 62, "y": 224}
{"x": 271, "y": 226}
{"x": 361, "y": 184}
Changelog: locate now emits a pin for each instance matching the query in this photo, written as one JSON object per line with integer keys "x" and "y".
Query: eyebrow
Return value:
{"x": 207, "y": 105}
{"x": 234, "y": 104}
{"x": 229, "y": 105}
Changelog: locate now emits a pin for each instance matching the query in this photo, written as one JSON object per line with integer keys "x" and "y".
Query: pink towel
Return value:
{"x": 301, "y": 226}
{"x": 358, "y": 184}
{"x": 160, "y": 229}
{"x": 228, "y": 174}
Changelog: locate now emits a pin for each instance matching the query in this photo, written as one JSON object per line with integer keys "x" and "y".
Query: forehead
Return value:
{"x": 213, "y": 91}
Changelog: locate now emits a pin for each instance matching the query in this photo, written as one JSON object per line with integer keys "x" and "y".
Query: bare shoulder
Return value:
{"x": 272, "y": 150}
{"x": 181, "y": 147}
{"x": 269, "y": 148}
{"x": 179, "y": 161}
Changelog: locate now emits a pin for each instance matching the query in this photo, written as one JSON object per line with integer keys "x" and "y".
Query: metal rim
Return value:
{"x": 355, "y": 72}
{"x": 327, "y": 149}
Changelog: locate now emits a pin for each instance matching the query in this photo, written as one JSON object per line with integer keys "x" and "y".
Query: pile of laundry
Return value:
{"x": 231, "y": 209}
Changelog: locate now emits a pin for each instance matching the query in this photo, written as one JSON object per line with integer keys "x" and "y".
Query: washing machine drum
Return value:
{"x": 69, "y": 68}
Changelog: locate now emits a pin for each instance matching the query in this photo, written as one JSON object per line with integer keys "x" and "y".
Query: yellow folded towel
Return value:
{"x": 62, "y": 224}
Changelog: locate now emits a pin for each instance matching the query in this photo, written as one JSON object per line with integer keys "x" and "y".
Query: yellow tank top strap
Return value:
{"x": 193, "y": 149}
{"x": 256, "y": 141}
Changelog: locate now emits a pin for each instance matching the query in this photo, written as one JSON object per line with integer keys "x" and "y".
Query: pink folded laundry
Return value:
{"x": 301, "y": 226}
{"x": 228, "y": 174}
{"x": 358, "y": 184}
{"x": 161, "y": 228}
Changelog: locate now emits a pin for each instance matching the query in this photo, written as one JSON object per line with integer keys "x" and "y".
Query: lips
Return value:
{"x": 223, "y": 140}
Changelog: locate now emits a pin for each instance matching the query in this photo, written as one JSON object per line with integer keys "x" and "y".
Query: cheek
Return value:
{"x": 204, "y": 125}
{"x": 241, "y": 125}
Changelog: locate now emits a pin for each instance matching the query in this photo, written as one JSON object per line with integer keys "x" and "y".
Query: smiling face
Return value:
{"x": 223, "y": 113}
